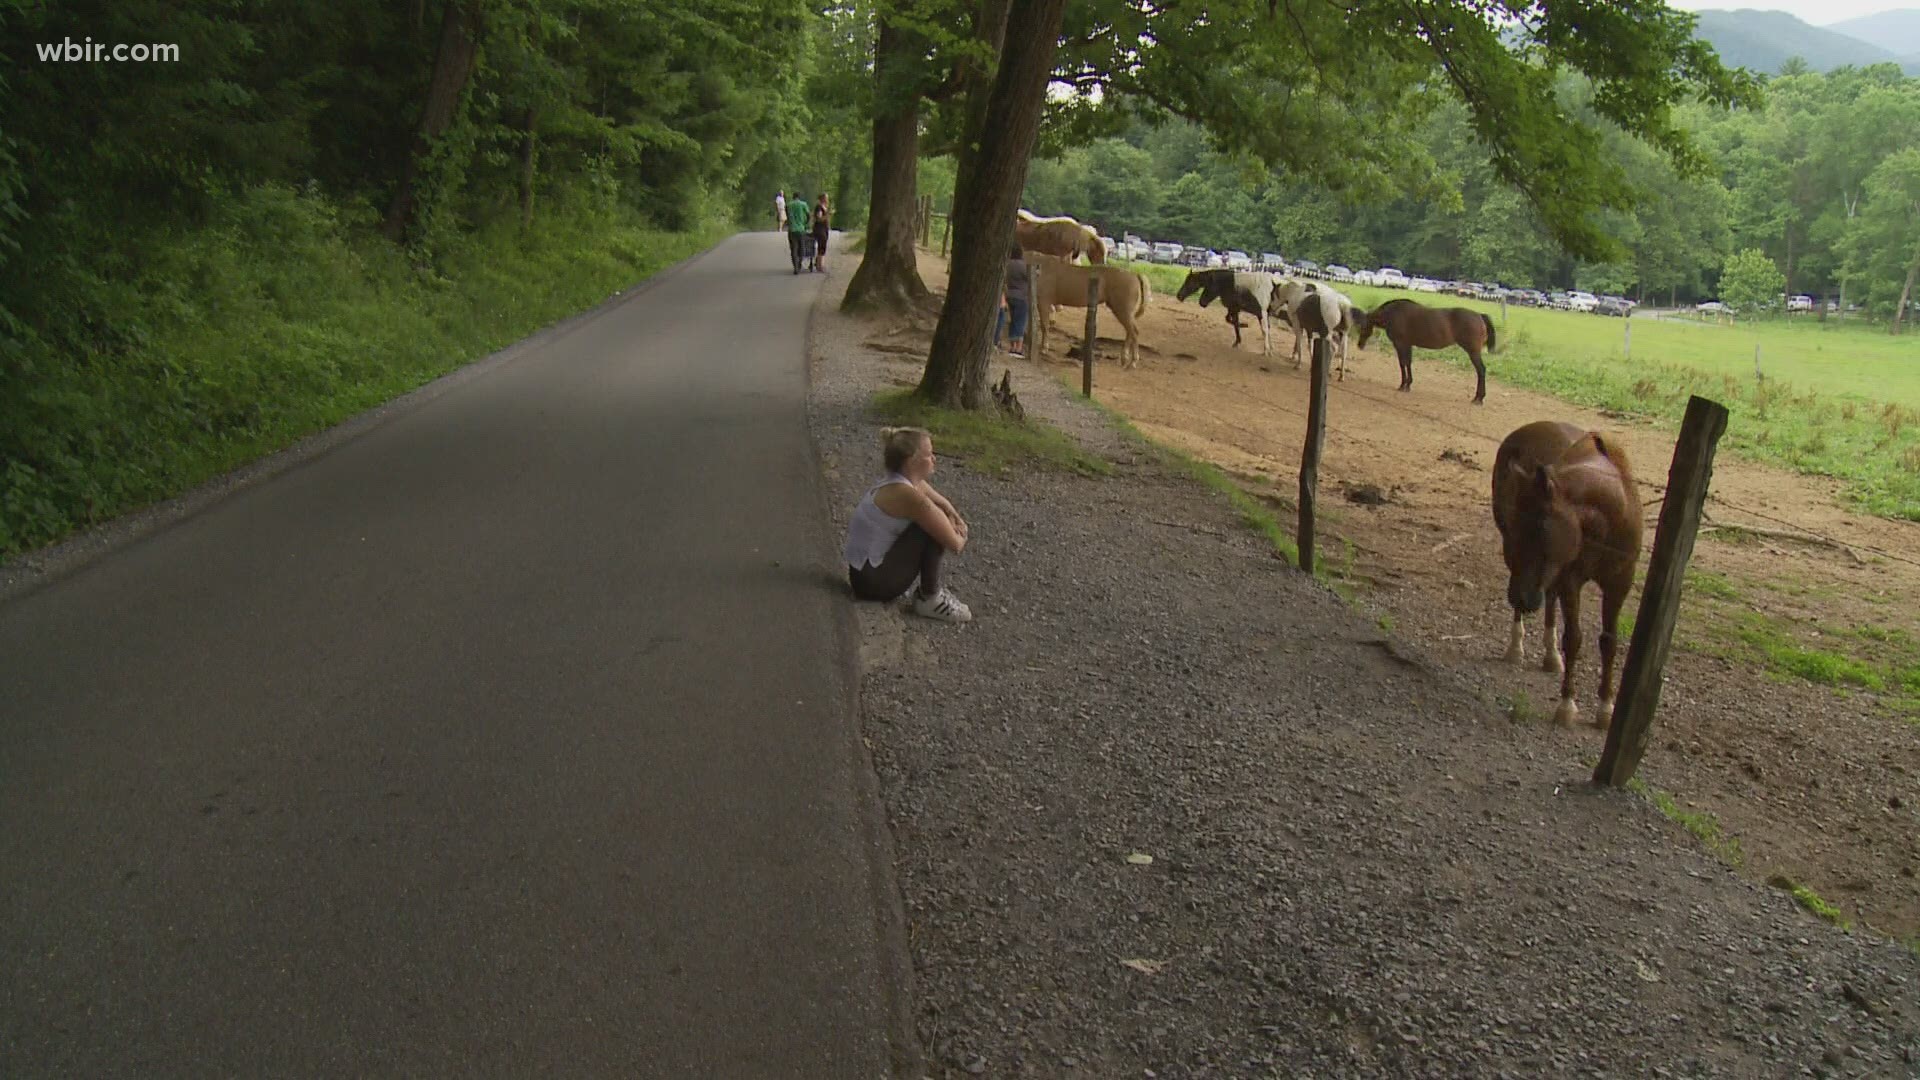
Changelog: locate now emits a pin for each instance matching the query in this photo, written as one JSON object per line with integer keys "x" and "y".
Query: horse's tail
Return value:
{"x": 1488, "y": 319}
{"x": 1146, "y": 293}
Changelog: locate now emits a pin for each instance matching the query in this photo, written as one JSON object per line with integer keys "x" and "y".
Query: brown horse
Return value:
{"x": 1568, "y": 513}
{"x": 1408, "y": 324}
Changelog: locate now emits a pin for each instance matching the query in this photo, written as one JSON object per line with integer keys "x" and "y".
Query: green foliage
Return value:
{"x": 275, "y": 320}
{"x": 1749, "y": 280}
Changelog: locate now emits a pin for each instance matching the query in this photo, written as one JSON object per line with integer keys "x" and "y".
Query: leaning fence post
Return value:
{"x": 1310, "y": 454}
{"x": 1093, "y": 331}
{"x": 1686, "y": 497}
{"x": 1627, "y": 338}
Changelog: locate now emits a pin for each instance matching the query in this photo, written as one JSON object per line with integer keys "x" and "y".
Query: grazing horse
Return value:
{"x": 1568, "y": 513}
{"x": 1060, "y": 236}
{"x": 1241, "y": 293}
{"x": 1064, "y": 284}
{"x": 1407, "y": 324}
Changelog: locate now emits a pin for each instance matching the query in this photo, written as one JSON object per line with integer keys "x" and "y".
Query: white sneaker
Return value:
{"x": 942, "y": 605}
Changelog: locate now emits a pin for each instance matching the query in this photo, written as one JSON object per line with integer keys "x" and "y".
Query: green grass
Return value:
{"x": 1520, "y": 708}
{"x": 1839, "y": 399}
{"x": 1784, "y": 656}
{"x": 1810, "y": 900}
{"x": 1704, "y": 826}
{"x": 279, "y": 318}
{"x": 987, "y": 442}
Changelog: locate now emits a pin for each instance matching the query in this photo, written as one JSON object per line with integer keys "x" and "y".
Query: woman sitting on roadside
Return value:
{"x": 903, "y": 528}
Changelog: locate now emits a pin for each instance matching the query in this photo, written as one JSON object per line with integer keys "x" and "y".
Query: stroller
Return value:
{"x": 806, "y": 255}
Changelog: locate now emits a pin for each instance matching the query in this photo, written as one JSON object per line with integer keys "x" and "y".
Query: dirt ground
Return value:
{"x": 1817, "y": 785}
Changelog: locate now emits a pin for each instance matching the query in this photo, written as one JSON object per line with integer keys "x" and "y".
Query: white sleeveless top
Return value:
{"x": 872, "y": 531}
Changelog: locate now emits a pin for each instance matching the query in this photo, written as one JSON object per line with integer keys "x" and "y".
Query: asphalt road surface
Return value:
{"x": 510, "y": 736}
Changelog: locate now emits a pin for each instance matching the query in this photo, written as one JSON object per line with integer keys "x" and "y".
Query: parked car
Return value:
{"x": 1164, "y": 252}
{"x": 1424, "y": 284}
{"x": 1239, "y": 260}
{"x": 1271, "y": 261}
{"x": 1308, "y": 268}
{"x": 1711, "y": 307}
{"x": 1802, "y": 302}
{"x": 1137, "y": 249}
{"x": 1340, "y": 274}
{"x": 1613, "y": 305}
{"x": 1391, "y": 278}
{"x": 1579, "y": 300}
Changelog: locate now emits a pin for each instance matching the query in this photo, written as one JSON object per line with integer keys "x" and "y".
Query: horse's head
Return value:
{"x": 1195, "y": 280}
{"x": 1542, "y": 538}
{"x": 1363, "y": 324}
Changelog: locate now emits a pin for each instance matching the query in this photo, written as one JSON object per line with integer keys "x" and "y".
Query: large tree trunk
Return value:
{"x": 452, "y": 67}
{"x": 1906, "y": 293}
{"x": 526, "y": 167}
{"x": 956, "y": 372}
{"x": 888, "y": 277}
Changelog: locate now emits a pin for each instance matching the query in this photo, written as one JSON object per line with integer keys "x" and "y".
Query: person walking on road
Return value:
{"x": 779, "y": 210}
{"x": 822, "y": 215}
{"x": 903, "y": 528}
{"x": 799, "y": 230}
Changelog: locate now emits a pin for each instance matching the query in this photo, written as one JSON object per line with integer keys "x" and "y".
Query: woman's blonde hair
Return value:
{"x": 897, "y": 444}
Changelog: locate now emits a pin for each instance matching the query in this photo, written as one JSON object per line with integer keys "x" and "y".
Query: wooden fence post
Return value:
{"x": 1686, "y": 498}
{"x": 946, "y": 234}
{"x": 1093, "y": 331}
{"x": 1037, "y": 312}
{"x": 1310, "y": 455}
{"x": 1627, "y": 338}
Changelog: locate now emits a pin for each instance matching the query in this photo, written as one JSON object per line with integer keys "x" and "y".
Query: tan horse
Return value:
{"x": 1059, "y": 236}
{"x": 1568, "y": 513}
{"x": 1063, "y": 284}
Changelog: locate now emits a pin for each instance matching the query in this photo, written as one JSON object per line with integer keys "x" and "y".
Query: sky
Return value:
{"x": 1817, "y": 12}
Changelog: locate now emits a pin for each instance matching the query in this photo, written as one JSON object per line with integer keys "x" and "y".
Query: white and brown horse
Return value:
{"x": 1062, "y": 237}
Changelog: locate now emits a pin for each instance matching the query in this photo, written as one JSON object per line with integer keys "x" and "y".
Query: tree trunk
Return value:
{"x": 976, "y": 82}
{"x": 452, "y": 67}
{"x": 956, "y": 372}
{"x": 888, "y": 277}
{"x": 526, "y": 167}
{"x": 1899, "y": 310}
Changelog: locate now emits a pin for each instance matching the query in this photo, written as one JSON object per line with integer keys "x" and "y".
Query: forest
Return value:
{"x": 1824, "y": 179}
{"x": 316, "y": 207}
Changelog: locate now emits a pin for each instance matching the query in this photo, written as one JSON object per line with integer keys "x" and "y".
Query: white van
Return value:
{"x": 1391, "y": 278}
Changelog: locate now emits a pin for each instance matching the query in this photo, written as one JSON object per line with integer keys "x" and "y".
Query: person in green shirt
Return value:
{"x": 799, "y": 228}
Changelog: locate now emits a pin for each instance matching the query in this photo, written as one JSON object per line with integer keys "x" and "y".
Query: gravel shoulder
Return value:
{"x": 1359, "y": 867}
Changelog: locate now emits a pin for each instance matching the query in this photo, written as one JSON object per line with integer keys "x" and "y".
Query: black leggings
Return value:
{"x": 914, "y": 555}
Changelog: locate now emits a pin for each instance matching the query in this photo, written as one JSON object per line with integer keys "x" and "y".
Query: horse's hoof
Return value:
{"x": 1514, "y": 656}
{"x": 1567, "y": 714}
{"x": 1604, "y": 717}
{"x": 1551, "y": 664}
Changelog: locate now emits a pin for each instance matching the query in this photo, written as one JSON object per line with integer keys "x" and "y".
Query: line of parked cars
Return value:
{"x": 1169, "y": 253}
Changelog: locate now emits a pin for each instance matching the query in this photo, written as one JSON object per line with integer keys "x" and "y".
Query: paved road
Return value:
{"x": 511, "y": 737}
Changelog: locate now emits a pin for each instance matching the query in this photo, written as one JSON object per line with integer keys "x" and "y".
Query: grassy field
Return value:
{"x": 1839, "y": 400}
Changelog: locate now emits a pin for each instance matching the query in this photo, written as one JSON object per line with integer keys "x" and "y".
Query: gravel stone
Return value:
{"x": 1360, "y": 868}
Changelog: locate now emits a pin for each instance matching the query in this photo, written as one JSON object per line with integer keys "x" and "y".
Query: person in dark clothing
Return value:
{"x": 1017, "y": 295}
{"x": 822, "y": 216}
